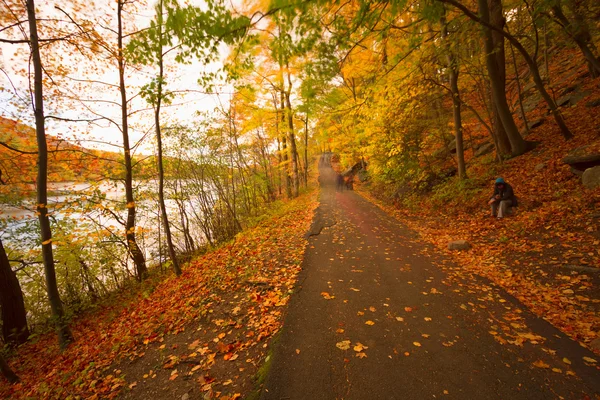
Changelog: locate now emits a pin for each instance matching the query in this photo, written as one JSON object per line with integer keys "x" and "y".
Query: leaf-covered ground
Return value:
{"x": 548, "y": 253}
{"x": 207, "y": 331}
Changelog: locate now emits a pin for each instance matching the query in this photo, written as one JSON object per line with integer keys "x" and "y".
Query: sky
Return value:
{"x": 13, "y": 78}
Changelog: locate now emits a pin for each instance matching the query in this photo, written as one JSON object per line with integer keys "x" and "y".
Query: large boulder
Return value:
{"x": 582, "y": 158}
{"x": 591, "y": 177}
{"x": 536, "y": 123}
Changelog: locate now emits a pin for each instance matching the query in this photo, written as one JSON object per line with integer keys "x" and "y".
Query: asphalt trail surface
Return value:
{"x": 379, "y": 315}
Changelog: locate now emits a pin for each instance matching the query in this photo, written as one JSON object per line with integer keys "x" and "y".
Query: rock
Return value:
{"x": 576, "y": 171}
{"x": 578, "y": 96}
{"x": 528, "y": 87}
{"x": 581, "y": 159}
{"x": 595, "y": 344}
{"x": 483, "y": 150}
{"x": 185, "y": 397}
{"x": 564, "y": 100}
{"x": 540, "y": 167}
{"x": 591, "y": 177}
{"x": 536, "y": 123}
{"x": 582, "y": 268}
{"x": 459, "y": 245}
{"x": 531, "y": 103}
{"x": 568, "y": 90}
{"x": 593, "y": 103}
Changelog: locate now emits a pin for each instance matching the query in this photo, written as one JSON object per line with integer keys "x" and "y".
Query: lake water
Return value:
{"x": 61, "y": 205}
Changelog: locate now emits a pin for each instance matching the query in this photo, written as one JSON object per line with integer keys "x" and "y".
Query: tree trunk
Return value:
{"x": 521, "y": 108}
{"x": 531, "y": 63}
{"x": 456, "y": 102}
{"x": 14, "y": 316}
{"x": 497, "y": 19}
{"x": 517, "y": 144}
{"x": 284, "y": 150}
{"x": 580, "y": 34}
{"x": 132, "y": 246}
{"x": 161, "y": 172}
{"x": 7, "y": 372}
{"x": 291, "y": 136}
{"x": 306, "y": 151}
{"x": 62, "y": 328}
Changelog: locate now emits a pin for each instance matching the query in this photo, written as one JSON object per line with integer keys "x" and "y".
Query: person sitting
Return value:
{"x": 503, "y": 198}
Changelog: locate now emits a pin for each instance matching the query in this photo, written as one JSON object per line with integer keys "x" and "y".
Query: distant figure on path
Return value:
{"x": 339, "y": 180}
{"x": 502, "y": 199}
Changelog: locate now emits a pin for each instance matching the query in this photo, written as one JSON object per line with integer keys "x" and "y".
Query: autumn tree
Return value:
{"x": 64, "y": 333}
{"x": 14, "y": 315}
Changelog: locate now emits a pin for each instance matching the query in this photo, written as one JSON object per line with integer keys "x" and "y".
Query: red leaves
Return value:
{"x": 133, "y": 322}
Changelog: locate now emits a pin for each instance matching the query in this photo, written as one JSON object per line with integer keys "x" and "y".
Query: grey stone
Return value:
{"x": 528, "y": 87}
{"x": 580, "y": 154}
{"x": 485, "y": 149}
{"x": 567, "y": 90}
{"x": 582, "y": 158}
{"x": 591, "y": 177}
{"x": 531, "y": 103}
{"x": 593, "y": 103}
{"x": 536, "y": 123}
{"x": 564, "y": 101}
{"x": 185, "y": 397}
{"x": 578, "y": 96}
{"x": 582, "y": 268}
{"x": 540, "y": 167}
{"x": 459, "y": 245}
{"x": 576, "y": 171}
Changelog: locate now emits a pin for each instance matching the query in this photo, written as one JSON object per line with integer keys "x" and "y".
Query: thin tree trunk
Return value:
{"x": 7, "y": 372}
{"x": 291, "y": 136}
{"x": 453, "y": 75}
{"x": 132, "y": 246}
{"x": 580, "y": 34}
{"x": 14, "y": 315}
{"x": 284, "y": 150}
{"x": 521, "y": 108}
{"x": 62, "y": 328}
{"x": 161, "y": 172}
{"x": 497, "y": 19}
{"x": 306, "y": 151}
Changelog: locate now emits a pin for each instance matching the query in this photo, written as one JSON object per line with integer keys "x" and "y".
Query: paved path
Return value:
{"x": 417, "y": 328}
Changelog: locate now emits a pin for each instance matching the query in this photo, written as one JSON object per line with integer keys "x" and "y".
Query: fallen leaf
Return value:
{"x": 343, "y": 345}
{"x": 369, "y": 323}
{"x": 540, "y": 364}
{"x": 417, "y": 344}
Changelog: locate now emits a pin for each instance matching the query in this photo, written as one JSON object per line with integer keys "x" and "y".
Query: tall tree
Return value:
{"x": 64, "y": 333}
{"x": 14, "y": 316}
{"x": 130, "y": 230}
{"x": 453, "y": 72}
{"x": 497, "y": 20}
{"x": 484, "y": 20}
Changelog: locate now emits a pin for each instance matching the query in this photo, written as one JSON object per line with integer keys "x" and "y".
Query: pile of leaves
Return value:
{"x": 240, "y": 286}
